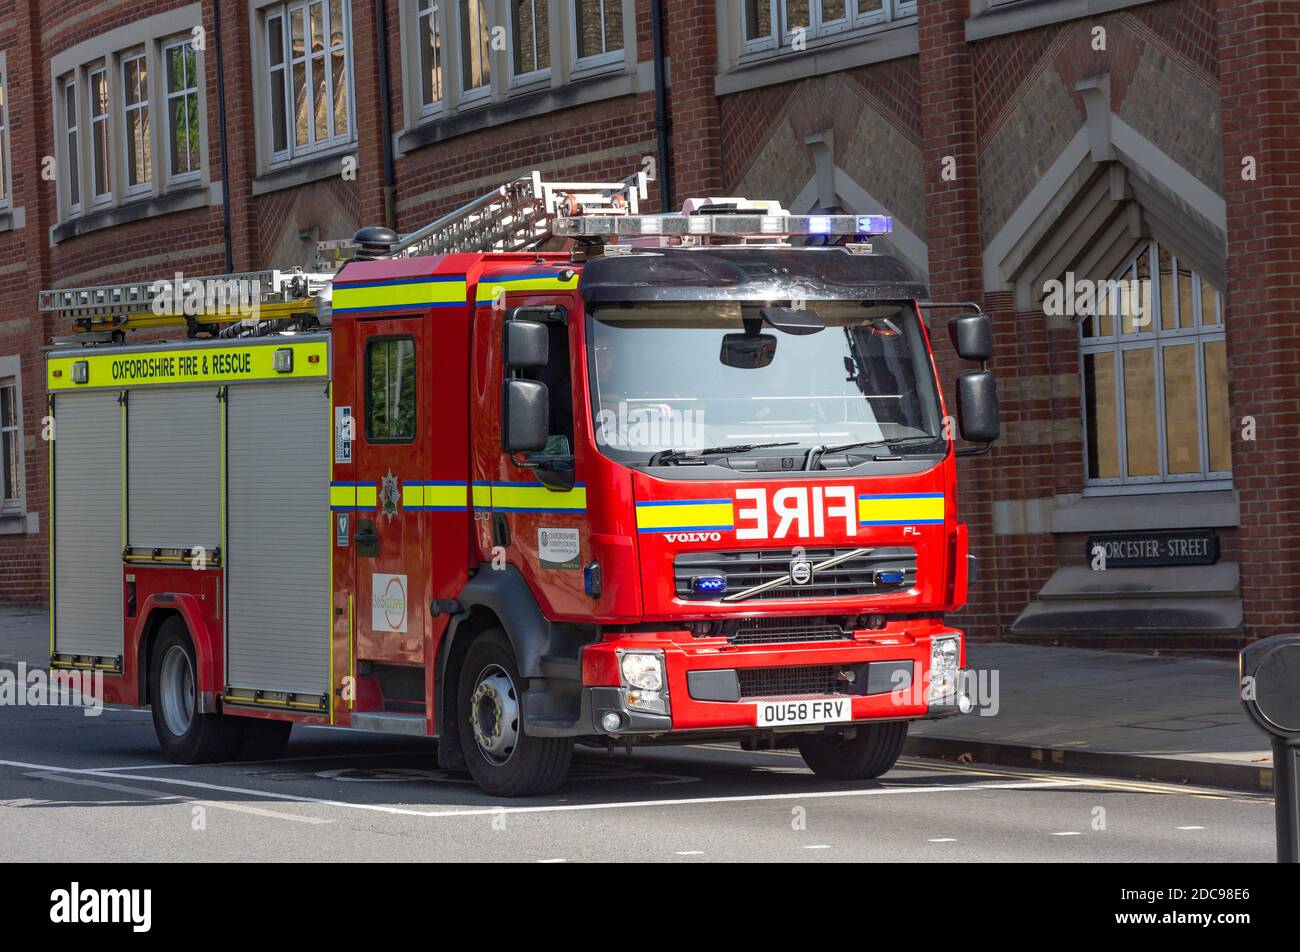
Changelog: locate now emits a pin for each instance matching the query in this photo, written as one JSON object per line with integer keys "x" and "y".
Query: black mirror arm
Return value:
{"x": 979, "y": 450}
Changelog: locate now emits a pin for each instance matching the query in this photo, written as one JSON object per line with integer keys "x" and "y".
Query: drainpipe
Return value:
{"x": 225, "y": 152}
{"x": 662, "y": 123}
{"x": 386, "y": 117}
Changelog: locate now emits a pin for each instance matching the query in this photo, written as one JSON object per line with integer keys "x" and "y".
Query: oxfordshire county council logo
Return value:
{"x": 388, "y": 495}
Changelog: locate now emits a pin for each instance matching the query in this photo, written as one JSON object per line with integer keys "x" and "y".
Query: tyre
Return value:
{"x": 186, "y": 736}
{"x": 870, "y": 752}
{"x": 262, "y": 740}
{"x": 502, "y": 759}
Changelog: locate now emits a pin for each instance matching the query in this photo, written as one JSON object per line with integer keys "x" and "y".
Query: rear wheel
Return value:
{"x": 502, "y": 759}
{"x": 186, "y": 736}
{"x": 871, "y": 751}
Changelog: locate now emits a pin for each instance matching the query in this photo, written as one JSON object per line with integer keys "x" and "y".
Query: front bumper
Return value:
{"x": 884, "y": 675}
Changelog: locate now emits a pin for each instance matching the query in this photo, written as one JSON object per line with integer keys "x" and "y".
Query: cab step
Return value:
{"x": 387, "y": 722}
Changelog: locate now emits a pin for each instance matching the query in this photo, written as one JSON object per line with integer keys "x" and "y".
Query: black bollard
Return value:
{"x": 1270, "y": 692}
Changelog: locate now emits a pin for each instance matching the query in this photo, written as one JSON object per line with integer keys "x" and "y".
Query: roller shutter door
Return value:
{"x": 173, "y": 438}
{"x": 88, "y": 524}
{"x": 278, "y": 440}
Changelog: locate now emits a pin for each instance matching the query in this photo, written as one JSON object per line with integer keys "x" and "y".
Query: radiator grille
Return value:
{"x": 749, "y": 567}
{"x": 773, "y": 631}
{"x": 816, "y": 680}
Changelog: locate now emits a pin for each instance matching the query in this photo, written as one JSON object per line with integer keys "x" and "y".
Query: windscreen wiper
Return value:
{"x": 667, "y": 457}
{"x": 817, "y": 452}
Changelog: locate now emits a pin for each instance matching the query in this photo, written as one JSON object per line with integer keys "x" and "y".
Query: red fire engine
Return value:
{"x": 688, "y": 478}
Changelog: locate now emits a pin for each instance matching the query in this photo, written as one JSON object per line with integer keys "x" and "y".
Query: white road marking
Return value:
{"x": 689, "y": 853}
{"x": 552, "y": 861}
{"x": 943, "y": 839}
{"x": 274, "y": 760}
{"x": 562, "y": 808}
{"x": 1189, "y": 828}
{"x": 1069, "y": 833}
{"x": 818, "y": 846}
{"x": 176, "y": 798}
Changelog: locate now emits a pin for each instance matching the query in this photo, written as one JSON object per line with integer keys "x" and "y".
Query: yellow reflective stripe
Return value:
{"x": 367, "y": 496}
{"x": 446, "y": 496}
{"x": 538, "y": 499}
{"x": 184, "y": 364}
{"x": 409, "y": 295}
{"x": 412, "y": 495}
{"x": 687, "y": 514}
{"x": 902, "y": 510}
{"x": 398, "y": 294}
{"x": 482, "y": 497}
{"x": 488, "y": 290}
{"x": 343, "y": 496}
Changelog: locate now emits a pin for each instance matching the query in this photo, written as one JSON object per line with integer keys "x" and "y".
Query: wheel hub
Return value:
{"x": 494, "y": 715}
{"x": 176, "y": 690}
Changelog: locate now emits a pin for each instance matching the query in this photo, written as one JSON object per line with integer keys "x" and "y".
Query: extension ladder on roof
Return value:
{"x": 516, "y": 216}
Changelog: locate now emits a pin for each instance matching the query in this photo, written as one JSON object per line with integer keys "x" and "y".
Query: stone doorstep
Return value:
{"x": 1131, "y": 616}
{"x": 1186, "y": 581}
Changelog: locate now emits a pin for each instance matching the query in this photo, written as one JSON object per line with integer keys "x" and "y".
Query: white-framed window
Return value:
{"x": 798, "y": 22}
{"x": 11, "y": 446}
{"x": 530, "y": 38}
{"x": 1154, "y": 374}
{"x": 101, "y": 135}
{"x": 137, "y": 138}
{"x": 309, "y": 89}
{"x": 4, "y": 140}
{"x": 184, "y": 135}
{"x": 597, "y": 32}
{"x": 430, "y": 29}
{"x": 71, "y": 144}
{"x": 475, "y": 22}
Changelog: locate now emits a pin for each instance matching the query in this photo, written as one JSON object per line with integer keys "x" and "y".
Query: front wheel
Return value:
{"x": 186, "y": 736}
{"x": 871, "y": 751}
{"x": 502, "y": 759}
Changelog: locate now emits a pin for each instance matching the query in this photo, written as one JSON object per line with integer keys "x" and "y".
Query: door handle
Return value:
{"x": 367, "y": 539}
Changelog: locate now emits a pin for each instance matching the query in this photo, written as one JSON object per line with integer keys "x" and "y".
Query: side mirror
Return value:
{"x": 972, "y": 336}
{"x": 526, "y": 344}
{"x": 977, "y": 406}
{"x": 747, "y": 353}
{"x": 525, "y": 415}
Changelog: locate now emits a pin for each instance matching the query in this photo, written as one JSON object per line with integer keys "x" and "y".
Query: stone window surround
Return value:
{"x": 11, "y": 216}
{"x": 990, "y": 18}
{"x": 108, "y": 49}
{"x": 15, "y": 519}
{"x": 566, "y": 83}
{"x": 739, "y": 70}
{"x": 273, "y": 174}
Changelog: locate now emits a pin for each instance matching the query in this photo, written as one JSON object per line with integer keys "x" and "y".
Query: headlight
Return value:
{"x": 644, "y": 681}
{"x": 642, "y": 670}
{"x": 945, "y": 662}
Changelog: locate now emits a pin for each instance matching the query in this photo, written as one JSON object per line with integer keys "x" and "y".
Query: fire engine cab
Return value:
{"x": 546, "y": 472}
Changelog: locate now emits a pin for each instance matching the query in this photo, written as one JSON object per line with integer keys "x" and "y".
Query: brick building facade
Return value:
{"x": 1016, "y": 143}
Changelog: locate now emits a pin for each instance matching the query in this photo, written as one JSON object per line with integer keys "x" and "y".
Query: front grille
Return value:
{"x": 746, "y": 568}
{"x": 816, "y": 679}
{"x": 773, "y": 631}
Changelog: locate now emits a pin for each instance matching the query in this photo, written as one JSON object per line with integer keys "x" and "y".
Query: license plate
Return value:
{"x": 784, "y": 713}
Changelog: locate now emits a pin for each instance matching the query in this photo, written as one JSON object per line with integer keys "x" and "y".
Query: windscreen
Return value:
{"x": 689, "y": 376}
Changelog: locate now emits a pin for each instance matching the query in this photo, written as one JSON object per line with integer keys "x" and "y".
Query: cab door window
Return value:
{"x": 390, "y": 390}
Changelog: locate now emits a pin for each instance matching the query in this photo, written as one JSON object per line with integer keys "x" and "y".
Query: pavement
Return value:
{"x": 1177, "y": 720}
{"x": 1173, "y": 720}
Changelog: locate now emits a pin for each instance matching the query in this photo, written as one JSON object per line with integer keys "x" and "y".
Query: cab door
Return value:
{"x": 391, "y": 455}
